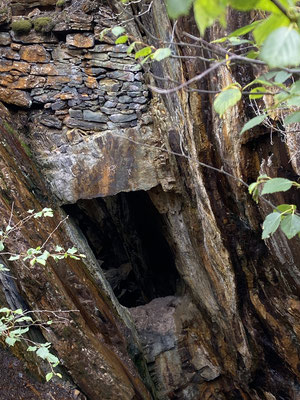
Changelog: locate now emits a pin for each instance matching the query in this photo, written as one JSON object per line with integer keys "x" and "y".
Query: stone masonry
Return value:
{"x": 85, "y": 99}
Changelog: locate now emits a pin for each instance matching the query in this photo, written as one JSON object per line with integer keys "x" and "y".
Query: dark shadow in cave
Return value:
{"x": 125, "y": 232}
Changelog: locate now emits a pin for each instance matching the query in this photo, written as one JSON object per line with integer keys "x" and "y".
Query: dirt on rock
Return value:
{"x": 17, "y": 384}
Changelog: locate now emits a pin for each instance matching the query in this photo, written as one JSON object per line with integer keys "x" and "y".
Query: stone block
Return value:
{"x": 80, "y": 40}
{"x": 125, "y": 99}
{"x": 75, "y": 113}
{"x": 121, "y": 75}
{"x": 84, "y": 125}
{"x": 4, "y": 38}
{"x": 94, "y": 116}
{"x": 34, "y": 53}
{"x": 121, "y": 118}
{"x": 109, "y": 85}
{"x": 16, "y": 97}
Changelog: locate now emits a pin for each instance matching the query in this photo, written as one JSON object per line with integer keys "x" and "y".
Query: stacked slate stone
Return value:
{"x": 78, "y": 82}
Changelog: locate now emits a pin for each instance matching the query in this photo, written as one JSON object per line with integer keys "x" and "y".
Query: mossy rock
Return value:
{"x": 60, "y": 3}
{"x": 22, "y": 26}
{"x": 43, "y": 24}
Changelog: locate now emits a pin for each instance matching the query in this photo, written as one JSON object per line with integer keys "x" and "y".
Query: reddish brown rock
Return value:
{"x": 16, "y": 97}
{"x": 28, "y": 82}
{"x": 34, "y": 53}
{"x": 81, "y": 41}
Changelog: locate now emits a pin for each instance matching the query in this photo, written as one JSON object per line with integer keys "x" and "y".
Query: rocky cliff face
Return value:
{"x": 178, "y": 297}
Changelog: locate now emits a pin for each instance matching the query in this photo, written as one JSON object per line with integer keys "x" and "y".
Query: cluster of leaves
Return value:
{"x": 14, "y": 324}
{"x": 142, "y": 51}
{"x": 275, "y": 41}
{"x": 284, "y": 215}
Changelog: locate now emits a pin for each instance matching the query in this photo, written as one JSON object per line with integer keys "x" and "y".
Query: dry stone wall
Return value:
{"x": 86, "y": 100}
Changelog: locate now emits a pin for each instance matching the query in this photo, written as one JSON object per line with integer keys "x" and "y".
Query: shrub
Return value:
{"x": 43, "y": 24}
{"x": 21, "y": 26}
{"x": 60, "y": 3}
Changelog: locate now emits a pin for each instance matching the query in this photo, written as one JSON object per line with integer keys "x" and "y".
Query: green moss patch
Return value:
{"x": 22, "y": 26}
{"x": 11, "y": 130}
{"x": 43, "y": 24}
{"x": 60, "y": 3}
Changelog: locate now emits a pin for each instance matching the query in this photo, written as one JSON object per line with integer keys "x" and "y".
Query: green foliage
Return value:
{"x": 22, "y": 26}
{"x": 14, "y": 324}
{"x": 60, "y": 3}
{"x": 284, "y": 216}
{"x": 226, "y": 99}
{"x": 43, "y": 24}
{"x": 176, "y": 8}
{"x": 253, "y": 122}
{"x": 282, "y": 48}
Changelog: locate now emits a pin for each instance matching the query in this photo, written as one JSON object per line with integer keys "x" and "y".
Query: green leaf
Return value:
{"x": 267, "y": 26}
{"x": 1, "y": 245}
{"x": 118, "y": 30}
{"x": 207, "y": 11}
{"x": 282, "y": 76}
{"x": 121, "y": 39}
{"x": 252, "y": 187}
{"x": 290, "y": 225}
{"x": 73, "y": 250}
{"x": 13, "y": 258}
{"x": 144, "y": 52}
{"x": 243, "y": 5}
{"x": 49, "y": 376}
{"x": 235, "y": 41}
{"x": 176, "y": 8}
{"x": 270, "y": 225}
{"x": 59, "y": 375}
{"x": 276, "y": 185}
{"x": 10, "y": 341}
{"x": 43, "y": 352}
{"x": 285, "y": 208}
{"x": 292, "y": 118}
{"x": 282, "y": 48}
{"x": 31, "y": 348}
{"x": 244, "y": 29}
{"x": 161, "y": 54}
{"x": 267, "y": 5}
{"x": 131, "y": 48}
{"x": 257, "y": 90}
{"x": 253, "y": 122}
{"x": 226, "y": 99}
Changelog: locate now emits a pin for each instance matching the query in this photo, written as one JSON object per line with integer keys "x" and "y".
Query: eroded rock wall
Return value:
{"x": 230, "y": 330}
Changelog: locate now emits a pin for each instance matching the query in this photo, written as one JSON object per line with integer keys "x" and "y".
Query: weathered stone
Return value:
{"x": 139, "y": 100}
{"x": 84, "y": 125}
{"x": 77, "y": 114}
{"x": 58, "y": 105}
{"x": 4, "y": 38}
{"x": 7, "y": 52}
{"x": 16, "y": 97}
{"x": 33, "y": 37}
{"x": 136, "y": 86}
{"x": 122, "y": 76}
{"x": 15, "y": 46}
{"x": 34, "y": 53}
{"x": 105, "y": 48}
{"x": 125, "y": 99}
{"x": 82, "y": 41}
{"x": 56, "y": 82}
{"x": 97, "y": 56}
{"x": 110, "y": 104}
{"x": 95, "y": 71}
{"x": 112, "y": 65}
{"x": 109, "y": 85}
{"x": 94, "y": 116}
{"x": 47, "y": 69}
{"x": 44, "y": 97}
{"x": 91, "y": 82}
{"x": 78, "y": 21}
{"x": 28, "y": 82}
{"x": 122, "y": 117}
{"x": 51, "y": 121}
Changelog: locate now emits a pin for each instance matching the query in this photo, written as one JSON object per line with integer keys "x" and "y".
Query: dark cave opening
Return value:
{"x": 126, "y": 234}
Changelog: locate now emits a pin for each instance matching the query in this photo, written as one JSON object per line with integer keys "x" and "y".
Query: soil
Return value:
{"x": 17, "y": 384}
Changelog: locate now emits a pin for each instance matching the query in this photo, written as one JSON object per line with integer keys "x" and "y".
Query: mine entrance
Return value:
{"x": 126, "y": 235}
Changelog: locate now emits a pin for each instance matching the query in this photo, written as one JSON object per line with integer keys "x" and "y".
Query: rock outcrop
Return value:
{"x": 178, "y": 298}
